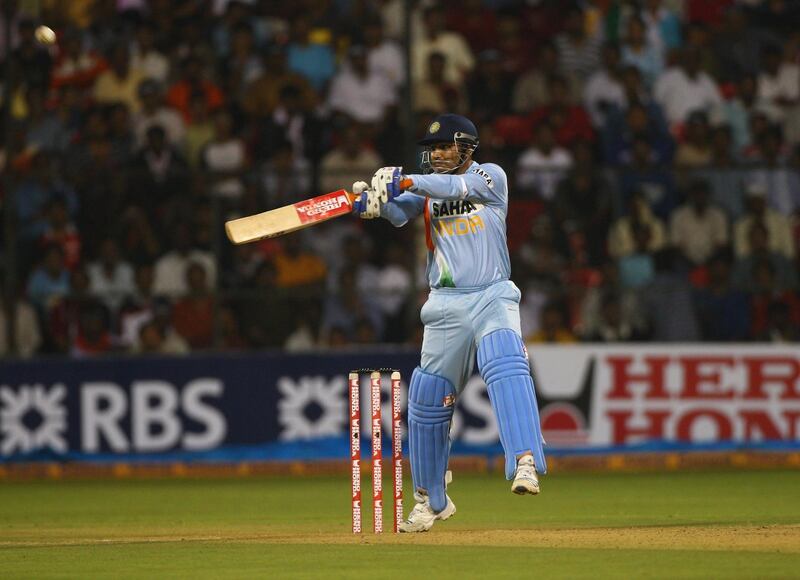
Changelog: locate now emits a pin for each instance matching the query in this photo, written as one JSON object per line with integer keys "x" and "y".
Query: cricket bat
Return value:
{"x": 283, "y": 220}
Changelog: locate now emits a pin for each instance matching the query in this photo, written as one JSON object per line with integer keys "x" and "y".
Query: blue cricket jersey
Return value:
{"x": 465, "y": 224}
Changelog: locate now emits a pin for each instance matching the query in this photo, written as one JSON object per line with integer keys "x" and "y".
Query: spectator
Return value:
{"x": 578, "y": 54}
{"x": 738, "y": 110}
{"x": 93, "y": 336}
{"x": 110, "y": 277}
{"x": 173, "y": 343}
{"x": 784, "y": 275}
{"x": 286, "y": 178}
{"x": 46, "y": 130}
{"x": 291, "y": 121}
{"x": 347, "y": 309}
{"x": 637, "y": 269}
{"x": 639, "y": 50}
{"x": 640, "y": 121}
{"x": 306, "y": 329}
{"x": 668, "y": 302}
{"x": 778, "y": 82}
{"x": 766, "y": 293}
{"x": 686, "y": 88}
{"x": 153, "y": 112}
{"x": 628, "y": 303}
{"x": 170, "y": 269}
{"x": 722, "y": 311}
{"x": 242, "y": 65}
{"x": 348, "y": 162}
{"x": 295, "y": 266}
{"x": 604, "y": 89}
{"x": 698, "y": 229}
{"x": 489, "y": 90}
{"x": 266, "y": 312}
{"x": 193, "y": 82}
{"x": 737, "y": 47}
{"x": 613, "y": 325}
{"x": 199, "y": 131}
{"x": 583, "y": 204}
{"x": 695, "y": 150}
{"x": 724, "y": 175}
{"x": 433, "y": 37}
{"x": 394, "y": 285}
{"x": 552, "y": 328}
{"x": 542, "y": 166}
{"x": 27, "y": 337}
{"x": 313, "y": 60}
{"x": 120, "y": 83}
{"x": 570, "y": 122}
{"x": 435, "y": 92}
{"x": 61, "y": 230}
{"x": 532, "y": 88}
{"x": 145, "y": 55}
{"x": 663, "y": 26}
{"x": 782, "y": 182}
{"x": 138, "y": 307}
{"x": 151, "y": 340}
{"x": 777, "y": 225}
{"x": 225, "y": 158}
{"x": 160, "y": 175}
{"x": 262, "y": 95}
{"x": 193, "y": 314}
{"x": 138, "y": 239}
{"x": 360, "y": 94}
{"x": 621, "y": 240}
{"x": 654, "y": 182}
{"x": 384, "y": 56}
{"x": 50, "y": 281}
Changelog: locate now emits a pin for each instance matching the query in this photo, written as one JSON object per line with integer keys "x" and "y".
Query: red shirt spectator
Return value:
{"x": 180, "y": 94}
{"x": 570, "y": 123}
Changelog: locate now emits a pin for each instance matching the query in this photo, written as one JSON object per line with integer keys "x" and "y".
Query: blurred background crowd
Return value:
{"x": 652, "y": 149}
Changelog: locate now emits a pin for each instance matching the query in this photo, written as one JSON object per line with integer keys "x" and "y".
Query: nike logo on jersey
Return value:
{"x": 450, "y": 208}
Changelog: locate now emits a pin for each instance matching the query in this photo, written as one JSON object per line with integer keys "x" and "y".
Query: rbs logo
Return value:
{"x": 154, "y": 412}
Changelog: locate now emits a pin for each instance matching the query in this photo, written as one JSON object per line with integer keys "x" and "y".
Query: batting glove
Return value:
{"x": 386, "y": 182}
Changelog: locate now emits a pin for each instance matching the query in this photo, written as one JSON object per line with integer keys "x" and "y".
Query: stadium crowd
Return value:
{"x": 652, "y": 148}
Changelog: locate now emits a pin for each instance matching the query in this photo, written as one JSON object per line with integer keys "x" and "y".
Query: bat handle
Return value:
{"x": 404, "y": 184}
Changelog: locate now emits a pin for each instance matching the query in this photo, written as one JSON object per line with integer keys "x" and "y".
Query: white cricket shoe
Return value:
{"x": 525, "y": 480}
{"x": 422, "y": 517}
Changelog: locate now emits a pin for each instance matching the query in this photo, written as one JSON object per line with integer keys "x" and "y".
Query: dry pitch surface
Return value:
{"x": 722, "y": 524}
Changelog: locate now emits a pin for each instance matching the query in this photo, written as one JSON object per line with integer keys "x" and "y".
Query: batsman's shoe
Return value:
{"x": 422, "y": 517}
{"x": 525, "y": 480}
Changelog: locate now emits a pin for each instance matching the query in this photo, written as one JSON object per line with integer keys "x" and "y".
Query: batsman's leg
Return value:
{"x": 504, "y": 367}
{"x": 431, "y": 399}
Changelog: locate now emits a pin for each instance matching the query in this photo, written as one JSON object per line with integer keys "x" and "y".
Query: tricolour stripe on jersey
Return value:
{"x": 427, "y": 215}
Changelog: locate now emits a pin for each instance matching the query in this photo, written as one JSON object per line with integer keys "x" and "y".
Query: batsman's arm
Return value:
{"x": 403, "y": 208}
{"x": 476, "y": 185}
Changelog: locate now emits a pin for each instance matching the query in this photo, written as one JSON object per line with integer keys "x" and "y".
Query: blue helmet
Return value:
{"x": 449, "y": 128}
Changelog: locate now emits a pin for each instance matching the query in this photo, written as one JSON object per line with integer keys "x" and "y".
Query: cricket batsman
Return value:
{"x": 473, "y": 306}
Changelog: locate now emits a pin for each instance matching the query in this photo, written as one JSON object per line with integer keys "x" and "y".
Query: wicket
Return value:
{"x": 377, "y": 452}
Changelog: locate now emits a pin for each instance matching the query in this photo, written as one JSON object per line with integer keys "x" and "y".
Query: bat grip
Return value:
{"x": 404, "y": 184}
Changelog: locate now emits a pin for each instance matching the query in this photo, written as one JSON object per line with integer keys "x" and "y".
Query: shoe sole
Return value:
{"x": 524, "y": 490}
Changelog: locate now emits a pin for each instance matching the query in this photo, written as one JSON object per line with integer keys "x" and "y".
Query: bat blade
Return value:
{"x": 290, "y": 218}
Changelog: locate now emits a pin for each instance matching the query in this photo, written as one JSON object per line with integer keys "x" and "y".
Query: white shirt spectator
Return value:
{"x": 698, "y": 235}
{"x": 111, "y": 286}
{"x": 361, "y": 98}
{"x": 170, "y": 271}
{"x": 458, "y": 56}
{"x": 679, "y": 95}
{"x": 387, "y": 60}
{"x": 153, "y": 64}
{"x": 225, "y": 156}
{"x": 169, "y": 119}
{"x": 778, "y": 227}
{"x": 784, "y": 86}
{"x": 543, "y": 171}
{"x": 602, "y": 89}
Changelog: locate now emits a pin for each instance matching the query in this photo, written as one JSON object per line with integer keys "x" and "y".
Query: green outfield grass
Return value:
{"x": 721, "y": 524}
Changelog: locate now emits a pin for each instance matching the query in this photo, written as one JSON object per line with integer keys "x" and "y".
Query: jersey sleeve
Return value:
{"x": 403, "y": 208}
{"x": 481, "y": 183}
